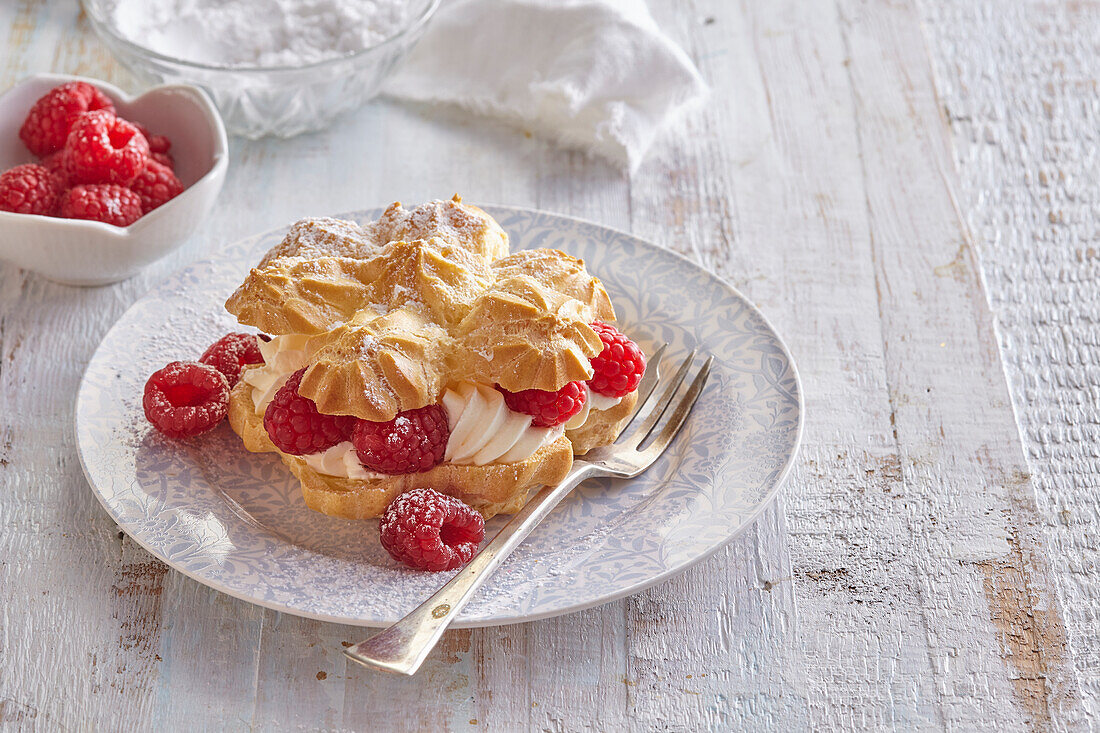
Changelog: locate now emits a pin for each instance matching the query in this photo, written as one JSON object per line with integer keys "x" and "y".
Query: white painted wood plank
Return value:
{"x": 1019, "y": 91}
{"x": 972, "y": 506}
{"x": 209, "y": 658}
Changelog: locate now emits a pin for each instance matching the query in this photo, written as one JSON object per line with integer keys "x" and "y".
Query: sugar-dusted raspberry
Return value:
{"x": 50, "y": 119}
{"x": 104, "y": 202}
{"x": 28, "y": 189}
{"x": 102, "y": 148}
{"x": 412, "y": 442}
{"x": 185, "y": 399}
{"x": 55, "y": 164}
{"x": 619, "y": 367}
{"x": 231, "y": 353}
{"x": 547, "y": 409}
{"x": 296, "y": 427}
{"x": 156, "y": 184}
{"x": 431, "y": 531}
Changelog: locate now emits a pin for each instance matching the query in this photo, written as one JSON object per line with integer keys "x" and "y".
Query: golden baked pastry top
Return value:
{"x": 401, "y": 307}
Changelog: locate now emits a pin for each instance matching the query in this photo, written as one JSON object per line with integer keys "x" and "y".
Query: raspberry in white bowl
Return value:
{"x": 139, "y": 175}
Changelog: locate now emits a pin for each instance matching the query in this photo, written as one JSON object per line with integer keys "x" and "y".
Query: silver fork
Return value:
{"x": 403, "y": 647}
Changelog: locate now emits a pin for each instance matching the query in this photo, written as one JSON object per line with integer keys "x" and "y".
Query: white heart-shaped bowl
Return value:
{"x": 79, "y": 252}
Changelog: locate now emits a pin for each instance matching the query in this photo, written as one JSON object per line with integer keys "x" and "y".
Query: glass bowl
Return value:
{"x": 278, "y": 100}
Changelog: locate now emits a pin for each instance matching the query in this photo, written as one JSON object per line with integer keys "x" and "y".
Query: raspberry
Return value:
{"x": 296, "y": 427}
{"x": 164, "y": 159}
{"x": 55, "y": 164}
{"x": 619, "y": 367}
{"x": 185, "y": 399}
{"x": 547, "y": 408}
{"x": 412, "y": 442}
{"x": 102, "y": 148}
{"x": 104, "y": 202}
{"x": 157, "y": 143}
{"x": 156, "y": 184}
{"x": 231, "y": 353}
{"x": 50, "y": 119}
{"x": 431, "y": 531}
{"x": 28, "y": 189}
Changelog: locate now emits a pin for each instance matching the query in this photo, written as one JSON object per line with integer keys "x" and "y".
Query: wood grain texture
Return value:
{"x": 1018, "y": 84}
{"x": 900, "y": 581}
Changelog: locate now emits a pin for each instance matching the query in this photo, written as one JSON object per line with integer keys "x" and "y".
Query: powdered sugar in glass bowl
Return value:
{"x": 274, "y": 67}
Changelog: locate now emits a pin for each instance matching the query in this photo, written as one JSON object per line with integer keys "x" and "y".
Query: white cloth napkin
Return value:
{"x": 598, "y": 75}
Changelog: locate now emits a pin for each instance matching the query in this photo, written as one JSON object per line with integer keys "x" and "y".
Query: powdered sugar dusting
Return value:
{"x": 445, "y": 219}
{"x": 259, "y": 33}
{"x": 322, "y": 237}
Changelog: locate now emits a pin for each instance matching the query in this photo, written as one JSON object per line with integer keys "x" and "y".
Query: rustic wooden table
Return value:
{"x": 904, "y": 187}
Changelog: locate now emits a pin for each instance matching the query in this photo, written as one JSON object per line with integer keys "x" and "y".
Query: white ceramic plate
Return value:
{"x": 236, "y": 521}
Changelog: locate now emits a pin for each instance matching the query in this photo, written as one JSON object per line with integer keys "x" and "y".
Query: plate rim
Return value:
{"x": 461, "y": 623}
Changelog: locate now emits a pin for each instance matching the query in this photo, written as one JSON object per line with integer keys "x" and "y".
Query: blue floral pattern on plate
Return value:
{"x": 236, "y": 521}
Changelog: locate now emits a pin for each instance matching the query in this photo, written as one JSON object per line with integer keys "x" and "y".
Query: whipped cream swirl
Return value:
{"x": 283, "y": 355}
{"x": 340, "y": 460}
{"x": 484, "y": 430}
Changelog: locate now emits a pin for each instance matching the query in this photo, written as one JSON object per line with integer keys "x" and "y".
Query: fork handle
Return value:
{"x": 403, "y": 647}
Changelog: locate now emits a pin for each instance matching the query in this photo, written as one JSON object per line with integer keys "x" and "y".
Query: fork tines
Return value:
{"x": 652, "y": 406}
